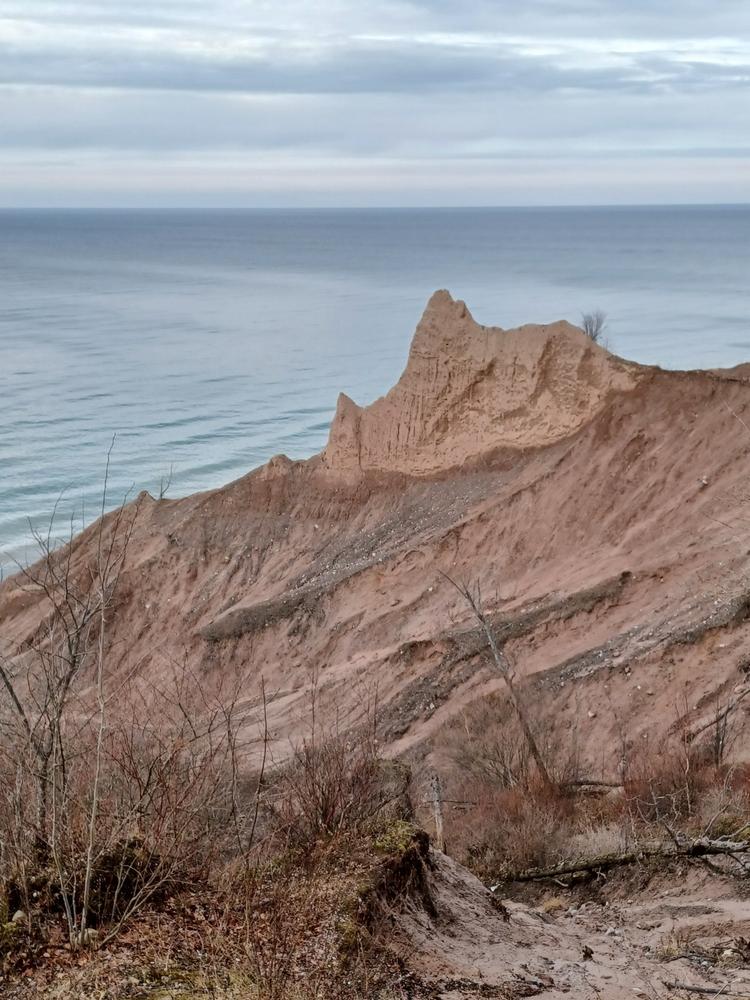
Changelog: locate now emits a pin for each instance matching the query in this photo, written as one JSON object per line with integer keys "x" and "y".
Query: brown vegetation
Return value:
{"x": 126, "y": 798}
{"x": 666, "y": 799}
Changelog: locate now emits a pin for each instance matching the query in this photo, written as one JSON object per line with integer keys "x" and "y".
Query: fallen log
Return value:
{"x": 700, "y": 847}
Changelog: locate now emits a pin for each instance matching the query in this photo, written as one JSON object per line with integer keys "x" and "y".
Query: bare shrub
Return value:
{"x": 124, "y": 797}
{"x": 724, "y": 808}
{"x": 664, "y": 786}
{"x": 333, "y": 786}
{"x": 502, "y": 819}
{"x": 43, "y": 722}
{"x": 594, "y": 325}
{"x": 489, "y": 744}
{"x": 113, "y": 792}
{"x": 40, "y": 679}
{"x": 337, "y": 781}
{"x": 510, "y": 828}
{"x": 288, "y": 926}
{"x": 721, "y": 731}
{"x": 337, "y": 818}
{"x": 169, "y": 805}
{"x": 279, "y": 916}
{"x": 165, "y": 813}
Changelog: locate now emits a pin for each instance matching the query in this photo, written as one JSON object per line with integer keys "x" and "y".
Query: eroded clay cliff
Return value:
{"x": 602, "y": 505}
{"x": 468, "y": 390}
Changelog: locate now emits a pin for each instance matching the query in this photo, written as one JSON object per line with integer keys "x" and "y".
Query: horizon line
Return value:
{"x": 369, "y": 208}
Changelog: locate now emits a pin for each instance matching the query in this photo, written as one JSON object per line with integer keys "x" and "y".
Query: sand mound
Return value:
{"x": 469, "y": 389}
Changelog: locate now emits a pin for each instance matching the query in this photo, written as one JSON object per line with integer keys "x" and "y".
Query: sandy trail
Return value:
{"x": 629, "y": 940}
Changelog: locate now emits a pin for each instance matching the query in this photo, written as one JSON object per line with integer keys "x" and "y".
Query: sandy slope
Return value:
{"x": 601, "y": 504}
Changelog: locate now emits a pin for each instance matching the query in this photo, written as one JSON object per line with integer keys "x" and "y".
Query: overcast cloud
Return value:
{"x": 391, "y": 102}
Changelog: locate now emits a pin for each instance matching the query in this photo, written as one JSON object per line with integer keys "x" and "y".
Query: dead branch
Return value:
{"x": 592, "y": 783}
{"x": 710, "y": 991}
{"x": 720, "y": 716}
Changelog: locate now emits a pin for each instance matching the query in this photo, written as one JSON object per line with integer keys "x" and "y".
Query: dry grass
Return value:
{"x": 554, "y": 904}
{"x": 598, "y": 839}
{"x": 676, "y": 944}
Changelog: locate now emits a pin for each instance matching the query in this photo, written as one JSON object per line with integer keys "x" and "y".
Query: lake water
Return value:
{"x": 209, "y": 341}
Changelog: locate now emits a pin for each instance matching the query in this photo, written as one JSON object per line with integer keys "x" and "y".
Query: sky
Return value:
{"x": 373, "y": 102}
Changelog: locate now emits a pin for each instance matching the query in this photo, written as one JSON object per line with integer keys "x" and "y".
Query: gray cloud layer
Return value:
{"x": 400, "y": 100}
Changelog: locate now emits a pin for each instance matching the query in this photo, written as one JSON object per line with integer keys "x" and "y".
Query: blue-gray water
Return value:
{"x": 209, "y": 341}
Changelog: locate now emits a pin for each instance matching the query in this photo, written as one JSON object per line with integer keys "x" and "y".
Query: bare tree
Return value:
{"x": 155, "y": 793}
{"x": 38, "y": 680}
{"x": 473, "y": 598}
{"x": 165, "y": 482}
{"x": 594, "y": 324}
{"x": 115, "y": 789}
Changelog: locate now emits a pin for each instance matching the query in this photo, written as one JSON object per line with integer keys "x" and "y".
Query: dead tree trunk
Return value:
{"x": 505, "y": 669}
{"x": 698, "y": 848}
{"x": 437, "y": 805}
